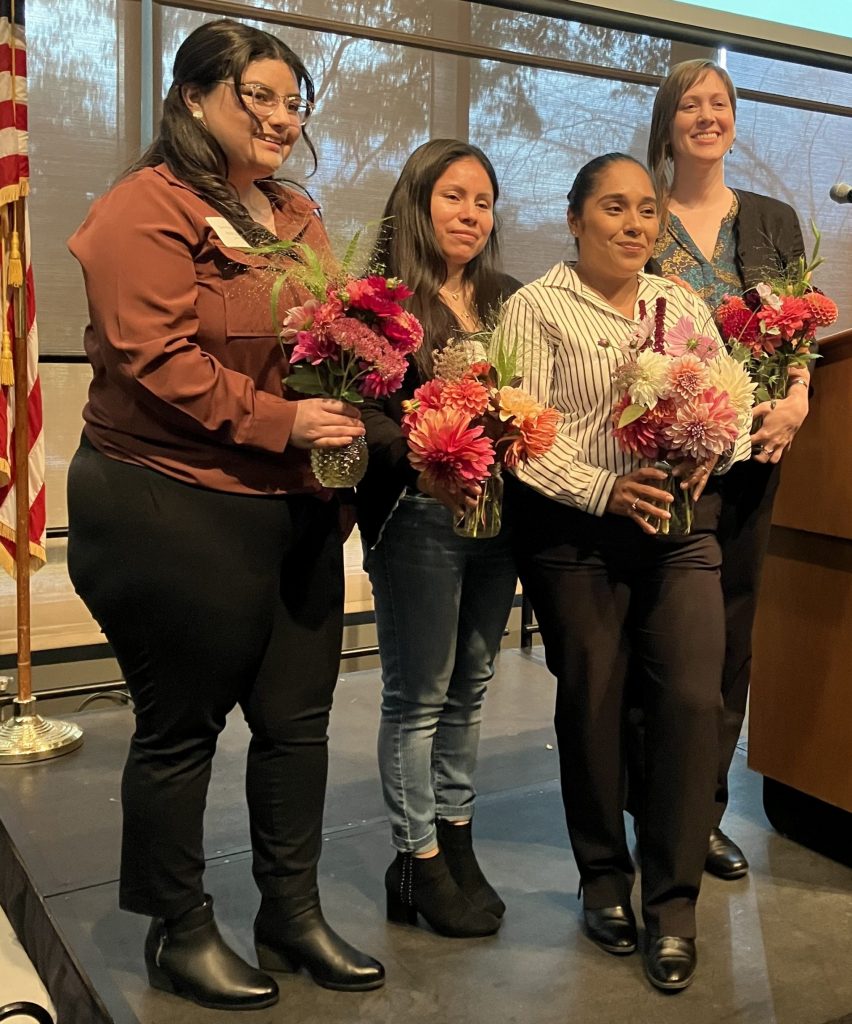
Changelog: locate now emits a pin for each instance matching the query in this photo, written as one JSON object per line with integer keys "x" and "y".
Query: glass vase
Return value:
{"x": 681, "y": 507}
{"x": 485, "y": 518}
{"x": 340, "y": 467}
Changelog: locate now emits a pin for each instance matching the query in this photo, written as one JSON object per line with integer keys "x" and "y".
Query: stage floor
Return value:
{"x": 774, "y": 948}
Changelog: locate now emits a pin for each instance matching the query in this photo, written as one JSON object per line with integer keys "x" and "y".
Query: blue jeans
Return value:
{"x": 441, "y": 603}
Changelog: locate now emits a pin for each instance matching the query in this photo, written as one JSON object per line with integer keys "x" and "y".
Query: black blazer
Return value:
{"x": 388, "y": 470}
{"x": 767, "y": 236}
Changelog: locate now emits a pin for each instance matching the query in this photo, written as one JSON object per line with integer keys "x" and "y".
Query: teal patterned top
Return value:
{"x": 679, "y": 256}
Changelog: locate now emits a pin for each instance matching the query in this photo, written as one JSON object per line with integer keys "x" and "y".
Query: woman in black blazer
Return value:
{"x": 721, "y": 240}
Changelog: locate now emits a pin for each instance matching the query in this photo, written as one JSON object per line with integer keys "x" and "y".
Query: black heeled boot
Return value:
{"x": 424, "y": 885}
{"x": 188, "y": 957}
{"x": 286, "y": 944}
{"x": 457, "y": 843}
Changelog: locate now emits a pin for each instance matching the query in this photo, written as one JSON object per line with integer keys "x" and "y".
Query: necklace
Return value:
{"x": 460, "y": 306}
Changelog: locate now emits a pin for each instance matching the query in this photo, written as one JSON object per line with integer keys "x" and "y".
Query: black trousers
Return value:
{"x": 603, "y": 592}
{"x": 748, "y": 492}
{"x": 212, "y": 600}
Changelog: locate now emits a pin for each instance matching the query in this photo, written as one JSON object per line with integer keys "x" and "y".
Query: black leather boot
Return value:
{"x": 456, "y": 841}
{"x": 286, "y": 943}
{"x": 189, "y": 958}
{"x": 424, "y": 885}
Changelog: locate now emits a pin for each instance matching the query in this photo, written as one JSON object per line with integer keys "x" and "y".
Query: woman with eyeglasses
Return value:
{"x": 198, "y": 537}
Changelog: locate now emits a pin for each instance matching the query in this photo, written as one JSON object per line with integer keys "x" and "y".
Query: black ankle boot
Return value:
{"x": 286, "y": 943}
{"x": 457, "y": 843}
{"x": 189, "y": 958}
{"x": 424, "y": 885}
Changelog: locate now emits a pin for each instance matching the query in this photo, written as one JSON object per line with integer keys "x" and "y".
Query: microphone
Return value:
{"x": 841, "y": 193}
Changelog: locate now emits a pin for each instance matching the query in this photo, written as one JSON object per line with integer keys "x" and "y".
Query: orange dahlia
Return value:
{"x": 823, "y": 309}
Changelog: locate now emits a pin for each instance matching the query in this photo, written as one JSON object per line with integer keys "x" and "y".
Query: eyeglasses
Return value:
{"x": 264, "y": 101}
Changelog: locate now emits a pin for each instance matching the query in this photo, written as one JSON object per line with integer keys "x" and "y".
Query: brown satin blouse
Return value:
{"x": 186, "y": 366}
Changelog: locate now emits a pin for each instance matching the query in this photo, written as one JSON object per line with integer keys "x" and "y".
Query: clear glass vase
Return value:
{"x": 682, "y": 507}
{"x": 340, "y": 467}
{"x": 486, "y": 518}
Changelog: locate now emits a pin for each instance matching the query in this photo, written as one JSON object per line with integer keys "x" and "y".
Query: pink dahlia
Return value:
{"x": 314, "y": 346}
{"x": 687, "y": 377}
{"x": 299, "y": 318}
{"x": 404, "y": 331}
{"x": 445, "y": 446}
{"x": 704, "y": 427}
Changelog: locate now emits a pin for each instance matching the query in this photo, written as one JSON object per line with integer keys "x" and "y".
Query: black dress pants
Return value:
{"x": 212, "y": 600}
{"x": 603, "y": 592}
{"x": 748, "y": 492}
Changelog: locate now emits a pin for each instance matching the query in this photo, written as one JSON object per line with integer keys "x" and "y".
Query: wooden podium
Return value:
{"x": 800, "y": 717}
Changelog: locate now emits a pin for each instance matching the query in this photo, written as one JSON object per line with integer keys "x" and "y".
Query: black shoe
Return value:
{"x": 724, "y": 858}
{"x": 306, "y": 940}
{"x": 457, "y": 843}
{"x": 189, "y": 958}
{"x": 670, "y": 961}
{"x": 612, "y": 928}
{"x": 424, "y": 885}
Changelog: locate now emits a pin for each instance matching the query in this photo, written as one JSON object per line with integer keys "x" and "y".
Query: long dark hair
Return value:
{"x": 216, "y": 51}
{"x": 406, "y": 246}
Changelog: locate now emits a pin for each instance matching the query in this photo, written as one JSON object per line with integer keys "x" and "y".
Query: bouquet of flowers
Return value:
{"x": 350, "y": 341}
{"x": 770, "y": 327}
{"x": 471, "y": 420}
{"x": 681, "y": 396}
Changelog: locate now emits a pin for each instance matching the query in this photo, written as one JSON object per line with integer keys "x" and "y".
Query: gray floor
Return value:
{"x": 774, "y": 948}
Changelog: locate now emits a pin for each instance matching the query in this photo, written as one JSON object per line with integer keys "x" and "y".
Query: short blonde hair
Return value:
{"x": 681, "y": 77}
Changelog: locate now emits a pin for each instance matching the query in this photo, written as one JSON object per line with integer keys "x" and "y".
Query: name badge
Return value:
{"x": 227, "y": 233}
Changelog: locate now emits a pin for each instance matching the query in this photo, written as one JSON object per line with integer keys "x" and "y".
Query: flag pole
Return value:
{"x": 26, "y": 736}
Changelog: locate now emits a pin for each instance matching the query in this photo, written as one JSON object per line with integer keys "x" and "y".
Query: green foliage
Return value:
{"x": 630, "y": 413}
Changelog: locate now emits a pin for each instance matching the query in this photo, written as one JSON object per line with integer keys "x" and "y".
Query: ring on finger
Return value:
{"x": 759, "y": 448}
{"x": 769, "y": 451}
{"x": 633, "y": 506}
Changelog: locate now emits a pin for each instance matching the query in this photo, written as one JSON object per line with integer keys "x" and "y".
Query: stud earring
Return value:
{"x": 198, "y": 115}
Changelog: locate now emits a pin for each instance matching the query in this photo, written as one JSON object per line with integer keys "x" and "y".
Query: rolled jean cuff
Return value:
{"x": 428, "y": 842}
{"x": 450, "y": 813}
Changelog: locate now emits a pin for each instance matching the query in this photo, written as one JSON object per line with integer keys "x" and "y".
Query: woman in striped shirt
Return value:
{"x": 605, "y": 586}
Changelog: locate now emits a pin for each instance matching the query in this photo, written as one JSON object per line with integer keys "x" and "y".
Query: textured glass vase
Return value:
{"x": 340, "y": 467}
{"x": 682, "y": 507}
{"x": 485, "y": 519}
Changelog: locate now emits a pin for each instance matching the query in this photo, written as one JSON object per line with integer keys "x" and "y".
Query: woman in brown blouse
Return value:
{"x": 198, "y": 537}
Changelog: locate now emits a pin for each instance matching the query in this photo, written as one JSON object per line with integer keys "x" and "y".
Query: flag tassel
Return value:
{"x": 16, "y": 269}
{"x": 7, "y": 371}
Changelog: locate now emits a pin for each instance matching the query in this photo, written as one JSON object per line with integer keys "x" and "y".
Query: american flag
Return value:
{"x": 14, "y": 183}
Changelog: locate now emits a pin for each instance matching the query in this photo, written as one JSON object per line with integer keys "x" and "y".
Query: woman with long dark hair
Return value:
{"x": 198, "y": 537}
{"x": 441, "y": 600}
{"x": 721, "y": 240}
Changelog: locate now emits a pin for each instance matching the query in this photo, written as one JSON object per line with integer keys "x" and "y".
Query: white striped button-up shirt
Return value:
{"x": 557, "y": 324}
